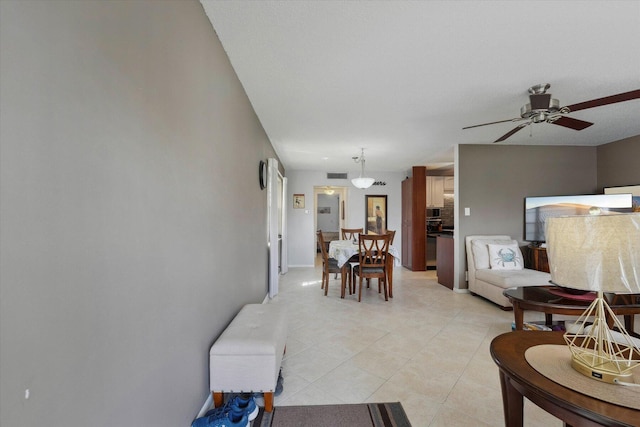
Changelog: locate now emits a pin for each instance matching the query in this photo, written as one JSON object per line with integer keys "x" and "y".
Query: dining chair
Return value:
{"x": 372, "y": 261}
{"x": 330, "y": 265}
{"x": 351, "y": 233}
{"x": 392, "y": 236}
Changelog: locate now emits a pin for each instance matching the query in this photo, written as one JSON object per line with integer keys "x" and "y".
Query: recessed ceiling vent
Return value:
{"x": 334, "y": 175}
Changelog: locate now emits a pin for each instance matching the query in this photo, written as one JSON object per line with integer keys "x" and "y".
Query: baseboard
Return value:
{"x": 207, "y": 405}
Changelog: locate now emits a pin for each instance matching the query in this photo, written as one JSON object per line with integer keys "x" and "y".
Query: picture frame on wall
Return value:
{"x": 375, "y": 214}
{"x": 298, "y": 201}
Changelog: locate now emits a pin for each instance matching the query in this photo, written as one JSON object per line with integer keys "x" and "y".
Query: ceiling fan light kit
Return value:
{"x": 543, "y": 108}
{"x": 362, "y": 182}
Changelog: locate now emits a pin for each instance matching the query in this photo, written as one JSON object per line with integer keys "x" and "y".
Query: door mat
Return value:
{"x": 389, "y": 414}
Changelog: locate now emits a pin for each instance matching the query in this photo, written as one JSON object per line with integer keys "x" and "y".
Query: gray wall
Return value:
{"x": 130, "y": 208}
{"x": 619, "y": 163}
{"x": 495, "y": 179}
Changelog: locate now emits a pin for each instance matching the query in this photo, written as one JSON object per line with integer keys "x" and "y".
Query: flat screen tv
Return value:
{"x": 538, "y": 209}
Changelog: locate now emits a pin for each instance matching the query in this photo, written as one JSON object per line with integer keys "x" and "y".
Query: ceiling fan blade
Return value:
{"x": 517, "y": 119}
{"x": 571, "y": 123}
{"x": 511, "y": 132}
{"x": 621, "y": 97}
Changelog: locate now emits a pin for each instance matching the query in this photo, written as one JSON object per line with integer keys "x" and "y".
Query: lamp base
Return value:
{"x": 603, "y": 373}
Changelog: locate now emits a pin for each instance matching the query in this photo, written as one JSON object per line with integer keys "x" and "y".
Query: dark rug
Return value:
{"x": 389, "y": 414}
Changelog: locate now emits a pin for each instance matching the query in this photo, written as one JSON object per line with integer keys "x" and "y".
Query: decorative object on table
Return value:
{"x": 375, "y": 214}
{"x": 598, "y": 253}
{"x": 362, "y": 181}
{"x": 298, "y": 201}
{"x": 262, "y": 174}
{"x": 573, "y": 294}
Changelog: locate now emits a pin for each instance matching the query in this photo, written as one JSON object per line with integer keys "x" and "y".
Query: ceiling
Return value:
{"x": 402, "y": 78}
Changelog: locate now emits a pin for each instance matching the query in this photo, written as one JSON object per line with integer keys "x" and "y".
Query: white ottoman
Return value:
{"x": 247, "y": 356}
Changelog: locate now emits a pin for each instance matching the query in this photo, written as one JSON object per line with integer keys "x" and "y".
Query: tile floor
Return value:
{"x": 428, "y": 348}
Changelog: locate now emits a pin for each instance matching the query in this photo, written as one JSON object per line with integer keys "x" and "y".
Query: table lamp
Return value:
{"x": 598, "y": 253}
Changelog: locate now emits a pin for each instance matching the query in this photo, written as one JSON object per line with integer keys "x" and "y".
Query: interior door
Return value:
{"x": 276, "y": 225}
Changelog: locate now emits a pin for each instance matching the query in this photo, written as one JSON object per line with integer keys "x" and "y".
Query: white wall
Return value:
{"x": 302, "y": 238}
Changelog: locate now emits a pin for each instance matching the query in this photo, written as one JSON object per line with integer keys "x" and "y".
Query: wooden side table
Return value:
{"x": 540, "y": 259}
{"x": 518, "y": 380}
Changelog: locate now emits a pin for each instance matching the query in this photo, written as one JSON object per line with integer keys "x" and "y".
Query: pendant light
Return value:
{"x": 362, "y": 181}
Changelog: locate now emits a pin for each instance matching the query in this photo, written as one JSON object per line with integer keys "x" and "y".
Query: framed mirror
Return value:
{"x": 375, "y": 214}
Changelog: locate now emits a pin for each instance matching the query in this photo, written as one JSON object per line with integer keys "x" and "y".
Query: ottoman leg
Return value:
{"x": 218, "y": 398}
{"x": 268, "y": 401}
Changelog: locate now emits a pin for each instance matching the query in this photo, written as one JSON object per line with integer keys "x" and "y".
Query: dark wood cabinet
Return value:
{"x": 444, "y": 261}
{"x": 414, "y": 204}
{"x": 540, "y": 260}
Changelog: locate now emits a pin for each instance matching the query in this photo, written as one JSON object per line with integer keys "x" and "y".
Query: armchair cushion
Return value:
{"x": 480, "y": 250}
{"x": 505, "y": 257}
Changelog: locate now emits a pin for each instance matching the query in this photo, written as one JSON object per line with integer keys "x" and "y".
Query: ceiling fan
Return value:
{"x": 542, "y": 108}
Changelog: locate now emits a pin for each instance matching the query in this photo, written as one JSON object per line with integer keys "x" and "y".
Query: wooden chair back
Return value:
{"x": 373, "y": 250}
{"x": 351, "y": 233}
{"x": 392, "y": 235}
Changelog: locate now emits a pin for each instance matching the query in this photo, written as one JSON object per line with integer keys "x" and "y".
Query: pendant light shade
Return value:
{"x": 362, "y": 181}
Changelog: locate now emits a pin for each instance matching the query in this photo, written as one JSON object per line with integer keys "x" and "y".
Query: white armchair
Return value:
{"x": 495, "y": 263}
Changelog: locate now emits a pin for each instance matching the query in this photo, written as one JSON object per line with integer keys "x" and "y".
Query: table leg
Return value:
{"x": 390, "y": 260}
{"x": 343, "y": 278}
{"x": 512, "y": 402}
{"x": 628, "y": 323}
{"x": 518, "y": 315}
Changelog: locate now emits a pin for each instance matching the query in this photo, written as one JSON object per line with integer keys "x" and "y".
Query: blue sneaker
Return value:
{"x": 228, "y": 416}
{"x": 246, "y": 404}
{"x": 228, "y": 420}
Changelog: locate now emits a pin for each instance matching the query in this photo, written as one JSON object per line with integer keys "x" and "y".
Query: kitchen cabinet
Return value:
{"x": 448, "y": 185}
{"x": 414, "y": 220}
{"x": 435, "y": 191}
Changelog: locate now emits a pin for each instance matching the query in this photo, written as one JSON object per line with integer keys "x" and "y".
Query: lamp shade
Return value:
{"x": 362, "y": 182}
{"x": 595, "y": 253}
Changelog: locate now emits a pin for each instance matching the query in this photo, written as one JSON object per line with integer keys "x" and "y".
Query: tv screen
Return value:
{"x": 538, "y": 209}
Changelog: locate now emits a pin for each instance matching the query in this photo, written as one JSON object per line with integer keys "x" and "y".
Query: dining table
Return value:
{"x": 343, "y": 250}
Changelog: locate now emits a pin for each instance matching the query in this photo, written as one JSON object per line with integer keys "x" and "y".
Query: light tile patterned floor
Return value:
{"x": 428, "y": 348}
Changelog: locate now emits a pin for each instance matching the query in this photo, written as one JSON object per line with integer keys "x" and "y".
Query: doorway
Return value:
{"x": 330, "y": 211}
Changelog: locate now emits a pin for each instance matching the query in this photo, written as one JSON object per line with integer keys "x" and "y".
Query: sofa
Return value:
{"x": 496, "y": 263}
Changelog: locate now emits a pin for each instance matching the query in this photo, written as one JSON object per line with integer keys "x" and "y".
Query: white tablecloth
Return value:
{"x": 342, "y": 250}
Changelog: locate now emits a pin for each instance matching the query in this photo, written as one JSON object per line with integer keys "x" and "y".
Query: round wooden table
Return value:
{"x": 518, "y": 379}
{"x": 542, "y": 298}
